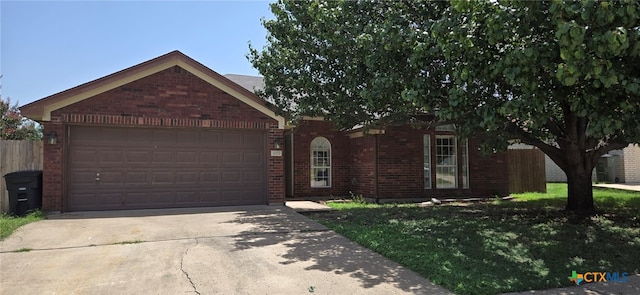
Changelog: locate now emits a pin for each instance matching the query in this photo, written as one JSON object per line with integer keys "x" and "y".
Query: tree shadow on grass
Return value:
{"x": 308, "y": 241}
{"x": 487, "y": 249}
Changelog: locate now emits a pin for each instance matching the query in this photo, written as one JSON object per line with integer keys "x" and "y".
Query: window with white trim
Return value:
{"x": 320, "y": 162}
{"x": 465, "y": 163}
{"x": 427, "y": 161}
{"x": 446, "y": 162}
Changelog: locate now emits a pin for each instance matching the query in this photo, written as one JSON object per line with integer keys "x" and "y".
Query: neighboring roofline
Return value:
{"x": 360, "y": 132}
{"x": 309, "y": 118}
{"x": 40, "y": 110}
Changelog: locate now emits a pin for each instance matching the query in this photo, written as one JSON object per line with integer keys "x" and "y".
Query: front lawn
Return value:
{"x": 8, "y": 224}
{"x": 495, "y": 247}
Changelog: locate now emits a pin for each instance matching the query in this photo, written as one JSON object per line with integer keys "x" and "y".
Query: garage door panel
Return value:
{"x": 96, "y": 201}
{"x": 210, "y": 138}
{"x": 162, "y": 157}
{"x": 187, "y": 177}
{"x": 80, "y": 200}
{"x": 162, "y": 178}
{"x": 253, "y": 140}
{"x": 109, "y": 156}
{"x": 187, "y": 138}
{"x": 209, "y": 177}
{"x": 162, "y": 199}
{"x": 112, "y": 135}
{"x": 163, "y": 168}
{"x": 232, "y": 139}
{"x": 252, "y": 158}
{"x": 232, "y": 158}
{"x": 135, "y": 156}
{"x": 136, "y": 198}
{"x": 188, "y": 157}
{"x": 253, "y": 177}
{"x": 137, "y": 137}
{"x": 109, "y": 199}
{"x": 188, "y": 197}
{"x": 136, "y": 178}
{"x": 162, "y": 137}
{"x": 210, "y": 157}
{"x": 232, "y": 177}
{"x": 111, "y": 178}
{"x": 83, "y": 178}
{"x": 209, "y": 197}
{"x": 80, "y": 157}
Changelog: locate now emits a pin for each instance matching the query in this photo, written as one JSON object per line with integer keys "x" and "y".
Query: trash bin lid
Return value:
{"x": 25, "y": 173}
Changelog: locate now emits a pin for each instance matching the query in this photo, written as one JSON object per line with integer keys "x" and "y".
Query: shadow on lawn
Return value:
{"x": 488, "y": 249}
{"x": 308, "y": 241}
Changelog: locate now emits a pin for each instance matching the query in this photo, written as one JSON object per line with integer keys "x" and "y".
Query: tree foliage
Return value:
{"x": 13, "y": 126}
{"x": 348, "y": 60}
{"x": 561, "y": 75}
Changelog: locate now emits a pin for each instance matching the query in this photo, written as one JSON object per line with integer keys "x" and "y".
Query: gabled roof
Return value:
{"x": 40, "y": 110}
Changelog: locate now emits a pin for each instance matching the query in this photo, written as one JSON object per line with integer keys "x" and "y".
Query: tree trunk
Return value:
{"x": 580, "y": 192}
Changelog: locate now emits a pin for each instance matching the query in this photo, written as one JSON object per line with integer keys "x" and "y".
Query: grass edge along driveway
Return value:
{"x": 8, "y": 223}
{"x": 500, "y": 246}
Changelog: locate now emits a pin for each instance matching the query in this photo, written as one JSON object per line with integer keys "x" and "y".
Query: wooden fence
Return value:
{"x": 526, "y": 171}
{"x": 17, "y": 155}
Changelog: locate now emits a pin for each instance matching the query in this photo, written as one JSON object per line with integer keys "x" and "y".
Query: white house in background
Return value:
{"x": 621, "y": 166}
{"x": 617, "y": 166}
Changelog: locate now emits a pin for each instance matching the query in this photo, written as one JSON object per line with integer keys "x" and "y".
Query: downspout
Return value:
{"x": 375, "y": 169}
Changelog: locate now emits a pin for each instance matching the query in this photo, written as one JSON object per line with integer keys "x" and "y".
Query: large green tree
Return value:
{"x": 562, "y": 76}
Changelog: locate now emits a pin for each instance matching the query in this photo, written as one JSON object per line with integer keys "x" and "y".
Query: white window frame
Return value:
{"x": 465, "y": 163}
{"x": 427, "y": 161}
{"x": 446, "y": 162}
{"x": 320, "y": 164}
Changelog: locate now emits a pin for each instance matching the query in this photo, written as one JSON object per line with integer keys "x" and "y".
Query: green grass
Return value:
{"x": 8, "y": 224}
{"x": 129, "y": 242}
{"x": 495, "y": 247}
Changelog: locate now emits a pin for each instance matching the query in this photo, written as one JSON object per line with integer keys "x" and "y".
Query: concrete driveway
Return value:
{"x": 233, "y": 250}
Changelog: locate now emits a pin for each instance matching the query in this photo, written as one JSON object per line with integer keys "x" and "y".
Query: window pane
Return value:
{"x": 465, "y": 164}
{"x": 446, "y": 164}
{"x": 427, "y": 161}
{"x": 320, "y": 162}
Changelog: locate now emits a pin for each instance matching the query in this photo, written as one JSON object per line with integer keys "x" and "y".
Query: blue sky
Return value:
{"x": 48, "y": 47}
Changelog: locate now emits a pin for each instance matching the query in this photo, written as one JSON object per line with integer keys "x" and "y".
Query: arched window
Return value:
{"x": 320, "y": 162}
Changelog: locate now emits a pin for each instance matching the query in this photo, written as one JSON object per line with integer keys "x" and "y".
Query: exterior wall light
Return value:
{"x": 52, "y": 138}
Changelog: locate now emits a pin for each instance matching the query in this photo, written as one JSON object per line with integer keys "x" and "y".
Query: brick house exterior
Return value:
{"x": 171, "y": 132}
{"x": 388, "y": 164}
{"x": 169, "y": 95}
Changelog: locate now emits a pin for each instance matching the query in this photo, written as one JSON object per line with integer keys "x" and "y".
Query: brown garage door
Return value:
{"x": 139, "y": 168}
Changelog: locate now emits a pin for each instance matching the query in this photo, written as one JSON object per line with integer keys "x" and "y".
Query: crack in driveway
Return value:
{"x": 247, "y": 233}
{"x": 186, "y": 252}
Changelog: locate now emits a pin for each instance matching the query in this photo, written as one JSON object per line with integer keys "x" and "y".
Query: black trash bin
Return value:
{"x": 25, "y": 191}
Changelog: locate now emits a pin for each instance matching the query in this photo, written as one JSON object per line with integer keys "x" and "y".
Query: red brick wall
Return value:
{"x": 275, "y": 164}
{"x": 303, "y": 134}
{"x": 400, "y": 163}
{"x": 52, "y": 170}
{"x": 398, "y": 155}
{"x": 172, "y": 98}
{"x": 363, "y": 163}
{"x": 401, "y": 171}
{"x": 489, "y": 174}
{"x": 170, "y": 94}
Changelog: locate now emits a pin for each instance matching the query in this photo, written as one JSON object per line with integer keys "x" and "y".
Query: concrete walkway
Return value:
{"x": 621, "y": 186}
{"x": 307, "y": 206}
